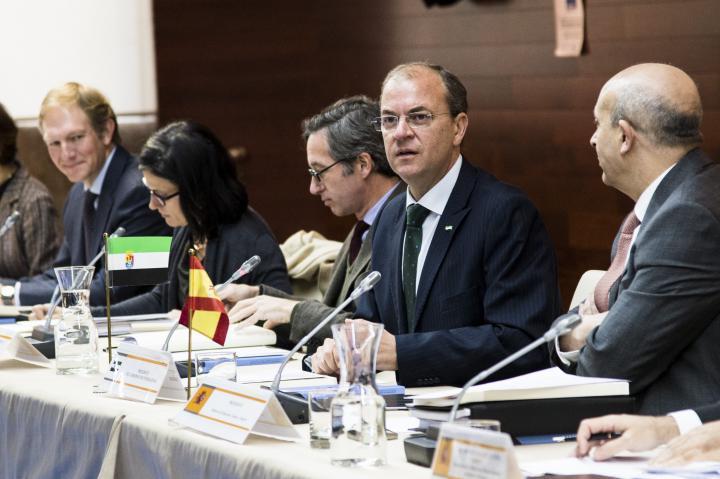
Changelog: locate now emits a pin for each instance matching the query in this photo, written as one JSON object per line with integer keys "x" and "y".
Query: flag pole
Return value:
{"x": 107, "y": 299}
{"x": 191, "y": 252}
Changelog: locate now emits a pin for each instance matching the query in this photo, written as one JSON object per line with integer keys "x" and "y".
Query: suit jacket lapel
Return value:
{"x": 107, "y": 197}
{"x": 689, "y": 165}
{"x": 453, "y": 215}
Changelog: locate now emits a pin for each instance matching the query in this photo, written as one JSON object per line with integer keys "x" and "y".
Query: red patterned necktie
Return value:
{"x": 617, "y": 267}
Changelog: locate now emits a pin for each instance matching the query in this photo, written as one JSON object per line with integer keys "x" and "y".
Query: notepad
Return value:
{"x": 548, "y": 383}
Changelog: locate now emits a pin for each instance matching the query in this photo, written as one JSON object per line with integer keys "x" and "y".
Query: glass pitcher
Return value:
{"x": 76, "y": 336}
{"x": 358, "y": 410}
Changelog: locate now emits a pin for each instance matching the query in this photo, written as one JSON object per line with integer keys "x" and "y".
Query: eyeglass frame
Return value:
{"x": 161, "y": 199}
{"x": 317, "y": 175}
{"x": 377, "y": 122}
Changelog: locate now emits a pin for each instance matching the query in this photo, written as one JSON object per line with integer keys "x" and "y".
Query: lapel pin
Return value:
{"x": 448, "y": 228}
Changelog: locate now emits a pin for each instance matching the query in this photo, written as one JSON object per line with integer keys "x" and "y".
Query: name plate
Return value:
{"x": 14, "y": 346}
{"x": 231, "y": 411}
{"x": 143, "y": 374}
{"x": 472, "y": 453}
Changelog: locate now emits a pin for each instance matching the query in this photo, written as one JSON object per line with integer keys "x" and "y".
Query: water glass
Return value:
{"x": 221, "y": 364}
{"x": 319, "y": 417}
{"x": 76, "y": 336}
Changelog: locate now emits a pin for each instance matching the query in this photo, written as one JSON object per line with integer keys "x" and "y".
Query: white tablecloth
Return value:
{"x": 55, "y": 427}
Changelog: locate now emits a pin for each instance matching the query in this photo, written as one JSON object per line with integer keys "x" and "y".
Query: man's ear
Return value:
{"x": 365, "y": 164}
{"x": 461, "y": 124}
{"x": 628, "y": 136}
{"x": 107, "y": 135}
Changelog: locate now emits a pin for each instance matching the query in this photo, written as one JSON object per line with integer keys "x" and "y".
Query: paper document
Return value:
{"x": 237, "y": 337}
{"x": 546, "y": 384}
{"x": 132, "y": 317}
{"x": 620, "y": 467}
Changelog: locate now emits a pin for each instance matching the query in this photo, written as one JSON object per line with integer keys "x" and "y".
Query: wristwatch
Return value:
{"x": 8, "y": 295}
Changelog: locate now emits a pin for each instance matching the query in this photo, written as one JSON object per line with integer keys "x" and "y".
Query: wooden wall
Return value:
{"x": 252, "y": 70}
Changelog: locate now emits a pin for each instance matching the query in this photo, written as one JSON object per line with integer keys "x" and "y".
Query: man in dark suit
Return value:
{"x": 468, "y": 271}
{"x": 662, "y": 327}
{"x": 80, "y": 130}
{"x": 360, "y": 185}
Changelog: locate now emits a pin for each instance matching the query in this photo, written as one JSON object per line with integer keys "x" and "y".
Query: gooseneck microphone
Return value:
{"x": 295, "y": 407}
{"x": 245, "y": 268}
{"x": 44, "y": 332}
{"x": 562, "y": 325}
{"x": 9, "y": 222}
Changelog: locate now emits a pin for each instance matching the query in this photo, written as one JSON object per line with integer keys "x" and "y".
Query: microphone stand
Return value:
{"x": 296, "y": 407}
{"x": 244, "y": 269}
{"x": 420, "y": 449}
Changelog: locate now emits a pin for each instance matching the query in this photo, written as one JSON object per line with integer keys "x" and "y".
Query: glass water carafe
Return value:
{"x": 358, "y": 410}
{"x": 76, "y": 336}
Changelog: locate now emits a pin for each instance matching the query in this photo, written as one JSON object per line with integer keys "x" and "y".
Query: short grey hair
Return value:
{"x": 651, "y": 113}
{"x": 350, "y": 132}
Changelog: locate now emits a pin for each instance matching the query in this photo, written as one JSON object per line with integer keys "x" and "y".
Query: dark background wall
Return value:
{"x": 252, "y": 70}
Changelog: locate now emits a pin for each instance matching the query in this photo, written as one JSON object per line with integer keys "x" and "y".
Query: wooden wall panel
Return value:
{"x": 253, "y": 70}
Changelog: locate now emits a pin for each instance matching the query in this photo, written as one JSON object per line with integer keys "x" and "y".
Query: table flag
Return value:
{"x": 138, "y": 260}
{"x": 209, "y": 317}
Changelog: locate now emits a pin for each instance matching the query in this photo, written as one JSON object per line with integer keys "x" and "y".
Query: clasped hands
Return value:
{"x": 591, "y": 318}
{"x": 249, "y": 307}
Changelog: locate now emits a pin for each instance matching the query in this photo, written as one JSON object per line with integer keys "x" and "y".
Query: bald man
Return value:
{"x": 662, "y": 328}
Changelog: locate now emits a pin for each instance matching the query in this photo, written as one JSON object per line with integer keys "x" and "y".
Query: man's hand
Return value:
{"x": 274, "y": 311}
{"x": 700, "y": 444}
{"x": 232, "y": 293}
{"x": 639, "y": 433}
{"x": 387, "y": 353}
{"x": 40, "y": 310}
{"x": 576, "y": 338}
{"x": 326, "y": 359}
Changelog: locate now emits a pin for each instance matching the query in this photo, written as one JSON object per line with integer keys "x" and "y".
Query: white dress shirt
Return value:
{"x": 434, "y": 200}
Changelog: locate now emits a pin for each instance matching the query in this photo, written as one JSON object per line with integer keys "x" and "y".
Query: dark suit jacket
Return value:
{"x": 709, "y": 412}
{"x": 345, "y": 278}
{"x": 663, "y": 327}
{"x": 235, "y": 243}
{"x": 488, "y": 286}
{"x": 123, "y": 201}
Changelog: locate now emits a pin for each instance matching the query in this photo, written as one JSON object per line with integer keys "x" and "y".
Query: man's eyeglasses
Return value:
{"x": 420, "y": 119}
{"x": 161, "y": 199}
{"x": 317, "y": 175}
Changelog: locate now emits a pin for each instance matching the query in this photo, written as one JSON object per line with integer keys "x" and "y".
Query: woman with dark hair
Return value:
{"x": 193, "y": 185}
{"x": 29, "y": 241}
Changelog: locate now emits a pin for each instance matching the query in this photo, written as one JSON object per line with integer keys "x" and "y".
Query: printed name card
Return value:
{"x": 467, "y": 452}
{"x": 231, "y": 411}
{"x": 14, "y": 346}
{"x": 143, "y": 374}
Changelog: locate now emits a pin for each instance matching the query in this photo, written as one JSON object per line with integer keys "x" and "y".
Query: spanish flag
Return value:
{"x": 209, "y": 317}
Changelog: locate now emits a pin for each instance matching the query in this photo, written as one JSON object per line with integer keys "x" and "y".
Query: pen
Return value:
{"x": 600, "y": 436}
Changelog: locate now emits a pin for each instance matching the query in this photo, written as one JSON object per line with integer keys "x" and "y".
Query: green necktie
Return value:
{"x": 414, "y": 217}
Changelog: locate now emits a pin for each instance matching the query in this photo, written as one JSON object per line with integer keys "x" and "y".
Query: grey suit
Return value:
{"x": 306, "y": 314}
{"x": 663, "y": 327}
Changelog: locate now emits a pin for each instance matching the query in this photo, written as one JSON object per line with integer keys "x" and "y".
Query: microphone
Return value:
{"x": 295, "y": 407}
{"x": 44, "y": 332}
{"x": 244, "y": 269}
{"x": 421, "y": 449}
{"x": 9, "y": 222}
{"x": 562, "y": 325}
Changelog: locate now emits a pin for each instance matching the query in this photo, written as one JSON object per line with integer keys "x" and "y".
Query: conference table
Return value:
{"x": 58, "y": 427}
